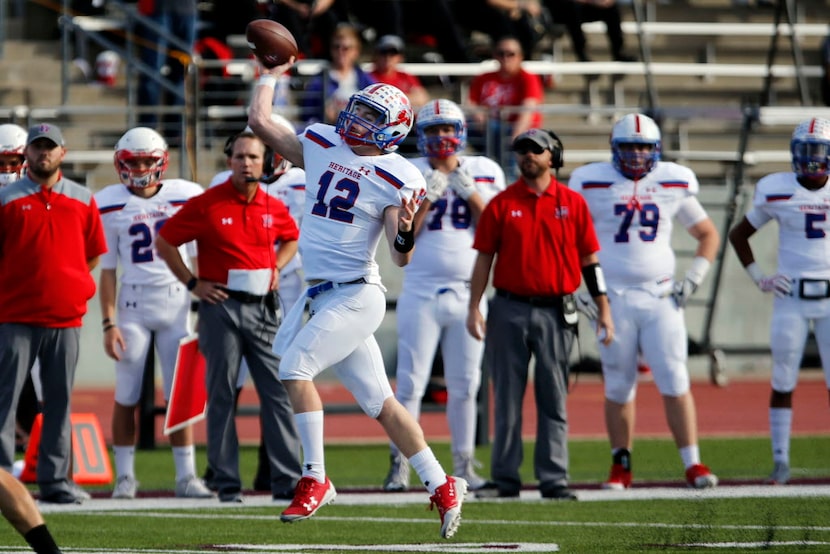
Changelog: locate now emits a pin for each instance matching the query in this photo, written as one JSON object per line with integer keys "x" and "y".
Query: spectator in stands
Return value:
{"x": 825, "y": 62}
{"x": 325, "y": 98}
{"x": 509, "y": 86}
{"x": 178, "y": 18}
{"x": 18, "y": 507}
{"x": 522, "y": 19}
{"x": 312, "y": 23}
{"x": 388, "y": 54}
{"x": 573, "y": 13}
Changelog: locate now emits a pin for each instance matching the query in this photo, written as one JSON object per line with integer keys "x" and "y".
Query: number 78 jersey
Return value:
{"x": 633, "y": 220}
{"x": 131, "y": 225}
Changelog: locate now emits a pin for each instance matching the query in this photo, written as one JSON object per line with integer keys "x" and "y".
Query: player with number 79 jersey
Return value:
{"x": 633, "y": 201}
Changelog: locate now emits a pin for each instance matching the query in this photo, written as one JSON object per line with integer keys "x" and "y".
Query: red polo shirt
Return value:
{"x": 47, "y": 237}
{"x": 539, "y": 241}
{"x": 231, "y": 233}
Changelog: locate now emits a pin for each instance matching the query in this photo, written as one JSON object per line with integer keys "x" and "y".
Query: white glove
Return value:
{"x": 462, "y": 183}
{"x": 682, "y": 290}
{"x": 586, "y": 305}
{"x": 780, "y": 285}
{"x": 436, "y": 184}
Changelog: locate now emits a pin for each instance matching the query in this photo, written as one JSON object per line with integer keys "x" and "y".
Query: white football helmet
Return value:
{"x": 635, "y": 129}
{"x": 810, "y": 148}
{"x": 12, "y": 143}
{"x": 441, "y": 112}
{"x": 392, "y": 125}
{"x": 141, "y": 142}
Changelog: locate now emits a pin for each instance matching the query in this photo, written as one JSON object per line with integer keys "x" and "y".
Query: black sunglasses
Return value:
{"x": 528, "y": 146}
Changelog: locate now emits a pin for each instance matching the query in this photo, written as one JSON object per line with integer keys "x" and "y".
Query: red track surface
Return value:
{"x": 740, "y": 409}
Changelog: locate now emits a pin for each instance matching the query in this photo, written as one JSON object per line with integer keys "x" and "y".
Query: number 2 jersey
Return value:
{"x": 346, "y": 195}
{"x": 802, "y": 216}
{"x": 131, "y": 224}
{"x": 633, "y": 220}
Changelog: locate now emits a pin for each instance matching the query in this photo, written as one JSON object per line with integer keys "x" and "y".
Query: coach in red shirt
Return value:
{"x": 50, "y": 239}
{"x": 542, "y": 238}
{"x": 235, "y": 226}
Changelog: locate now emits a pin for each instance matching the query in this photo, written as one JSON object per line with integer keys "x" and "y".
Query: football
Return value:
{"x": 271, "y": 42}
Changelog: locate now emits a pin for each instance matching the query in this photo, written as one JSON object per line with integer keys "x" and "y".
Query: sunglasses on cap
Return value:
{"x": 528, "y": 146}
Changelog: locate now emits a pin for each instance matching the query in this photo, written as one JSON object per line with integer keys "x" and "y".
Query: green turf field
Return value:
{"x": 644, "y": 519}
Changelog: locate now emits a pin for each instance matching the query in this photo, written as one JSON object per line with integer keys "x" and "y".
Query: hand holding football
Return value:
{"x": 271, "y": 42}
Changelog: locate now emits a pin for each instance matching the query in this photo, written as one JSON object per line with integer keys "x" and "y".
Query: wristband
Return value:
{"x": 106, "y": 320}
{"x": 698, "y": 269}
{"x": 108, "y": 327}
{"x": 405, "y": 241}
{"x": 755, "y": 272}
{"x": 192, "y": 283}
{"x": 267, "y": 81}
{"x": 594, "y": 280}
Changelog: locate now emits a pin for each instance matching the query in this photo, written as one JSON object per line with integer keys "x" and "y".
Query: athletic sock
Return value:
{"x": 124, "y": 460}
{"x": 690, "y": 455}
{"x": 185, "y": 459}
{"x": 430, "y": 472}
{"x": 41, "y": 541}
{"x": 310, "y": 428}
{"x": 780, "y": 423}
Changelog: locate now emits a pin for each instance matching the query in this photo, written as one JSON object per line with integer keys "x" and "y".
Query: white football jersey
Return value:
{"x": 131, "y": 224}
{"x": 444, "y": 245}
{"x": 346, "y": 196}
{"x": 633, "y": 221}
{"x": 290, "y": 190}
{"x": 803, "y": 226}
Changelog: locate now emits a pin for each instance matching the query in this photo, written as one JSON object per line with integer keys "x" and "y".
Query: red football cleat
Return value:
{"x": 309, "y": 496}
{"x": 448, "y": 498}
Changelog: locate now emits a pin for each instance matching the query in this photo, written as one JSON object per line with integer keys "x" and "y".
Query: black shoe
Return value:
{"x": 230, "y": 495}
{"x": 491, "y": 490}
{"x": 559, "y": 492}
{"x": 60, "y": 497}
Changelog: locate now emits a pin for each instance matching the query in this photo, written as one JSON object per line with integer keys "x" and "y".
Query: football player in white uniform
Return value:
{"x": 150, "y": 301}
{"x": 633, "y": 201}
{"x": 12, "y": 168}
{"x": 286, "y": 183}
{"x": 357, "y": 188}
{"x": 432, "y": 307}
{"x": 799, "y": 201}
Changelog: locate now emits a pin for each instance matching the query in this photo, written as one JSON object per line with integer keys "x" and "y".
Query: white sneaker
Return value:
{"x": 465, "y": 467}
{"x": 192, "y": 487}
{"x": 397, "y": 480}
{"x": 780, "y": 474}
{"x": 125, "y": 487}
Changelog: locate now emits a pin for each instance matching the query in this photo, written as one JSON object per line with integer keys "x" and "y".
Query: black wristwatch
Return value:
{"x": 192, "y": 283}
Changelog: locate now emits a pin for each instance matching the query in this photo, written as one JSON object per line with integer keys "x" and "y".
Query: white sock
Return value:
{"x": 310, "y": 427}
{"x": 690, "y": 455}
{"x": 780, "y": 423}
{"x": 430, "y": 472}
{"x": 124, "y": 460}
{"x": 185, "y": 459}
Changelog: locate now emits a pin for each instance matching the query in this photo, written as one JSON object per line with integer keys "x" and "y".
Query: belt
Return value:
{"x": 813, "y": 289}
{"x": 244, "y": 297}
{"x": 328, "y": 285}
{"x": 541, "y": 301}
